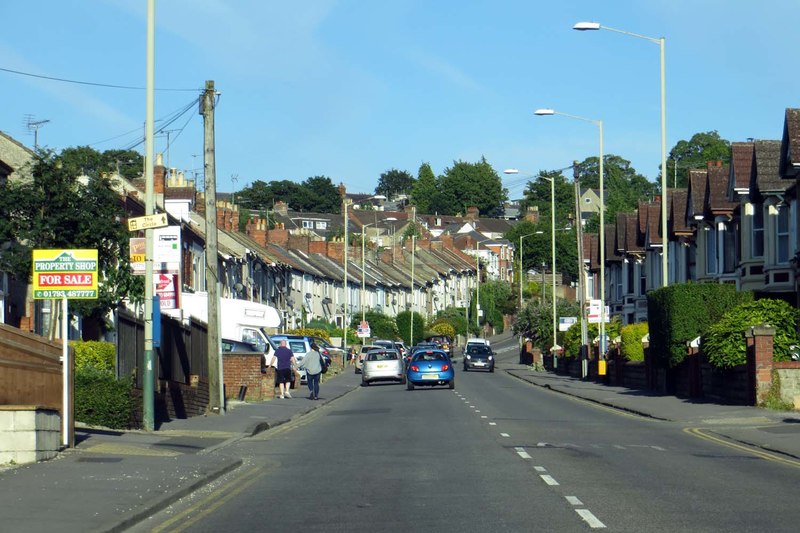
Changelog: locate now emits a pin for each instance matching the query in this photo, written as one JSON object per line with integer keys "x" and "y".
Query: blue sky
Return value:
{"x": 351, "y": 88}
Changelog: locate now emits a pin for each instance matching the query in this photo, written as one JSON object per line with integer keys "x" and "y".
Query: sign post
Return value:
{"x": 65, "y": 274}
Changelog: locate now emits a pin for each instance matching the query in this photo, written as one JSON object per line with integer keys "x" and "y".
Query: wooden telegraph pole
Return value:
{"x": 216, "y": 400}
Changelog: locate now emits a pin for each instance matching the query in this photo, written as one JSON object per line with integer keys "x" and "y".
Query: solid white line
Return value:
{"x": 505, "y": 435}
{"x": 619, "y": 447}
{"x": 540, "y": 469}
{"x": 549, "y": 480}
{"x": 659, "y": 448}
{"x": 573, "y": 500}
{"x": 590, "y": 519}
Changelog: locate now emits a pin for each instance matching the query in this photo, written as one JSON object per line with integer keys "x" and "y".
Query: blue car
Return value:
{"x": 429, "y": 368}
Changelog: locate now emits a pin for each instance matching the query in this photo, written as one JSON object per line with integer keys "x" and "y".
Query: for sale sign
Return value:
{"x": 70, "y": 274}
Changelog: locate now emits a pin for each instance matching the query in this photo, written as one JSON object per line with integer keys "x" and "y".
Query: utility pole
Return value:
{"x": 344, "y": 266}
{"x": 581, "y": 287}
{"x": 148, "y": 387}
{"x": 216, "y": 401}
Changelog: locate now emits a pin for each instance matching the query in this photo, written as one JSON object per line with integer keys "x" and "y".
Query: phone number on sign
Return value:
{"x": 65, "y": 294}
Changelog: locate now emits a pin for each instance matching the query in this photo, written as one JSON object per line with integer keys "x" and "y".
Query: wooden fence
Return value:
{"x": 30, "y": 369}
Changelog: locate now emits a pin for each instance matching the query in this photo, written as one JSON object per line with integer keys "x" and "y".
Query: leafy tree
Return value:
{"x": 323, "y": 195}
{"x": 381, "y": 326}
{"x": 695, "y": 153}
{"x": 55, "y": 210}
{"x": 316, "y": 194}
{"x": 257, "y": 195}
{"x": 456, "y": 317}
{"x": 424, "y": 190}
{"x": 403, "y": 320}
{"x": 469, "y": 184}
{"x": 394, "y": 182}
{"x": 624, "y": 187}
{"x": 537, "y": 193}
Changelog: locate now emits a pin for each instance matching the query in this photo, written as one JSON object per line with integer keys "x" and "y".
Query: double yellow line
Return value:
{"x": 213, "y": 501}
{"x": 703, "y": 434}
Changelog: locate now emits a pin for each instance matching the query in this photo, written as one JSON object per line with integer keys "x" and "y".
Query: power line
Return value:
{"x": 94, "y": 84}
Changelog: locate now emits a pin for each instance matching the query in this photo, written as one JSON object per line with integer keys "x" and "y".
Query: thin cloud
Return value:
{"x": 444, "y": 70}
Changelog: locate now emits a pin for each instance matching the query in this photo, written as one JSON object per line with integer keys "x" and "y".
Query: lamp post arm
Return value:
{"x": 645, "y": 37}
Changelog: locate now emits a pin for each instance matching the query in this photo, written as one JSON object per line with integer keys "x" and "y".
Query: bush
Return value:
{"x": 680, "y": 313}
{"x": 404, "y": 325}
{"x": 310, "y": 332}
{"x": 632, "y": 348}
{"x": 102, "y": 400}
{"x": 97, "y": 355}
{"x": 724, "y": 343}
{"x": 381, "y": 326}
{"x": 443, "y": 328}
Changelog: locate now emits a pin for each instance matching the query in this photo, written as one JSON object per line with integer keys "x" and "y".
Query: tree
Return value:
{"x": 323, "y": 196}
{"x": 696, "y": 153}
{"x": 624, "y": 187}
{"x": 403, "y": 321}
{"x": 469, "y": 184}
{"x": 55, "y": 210}
{"x": 394, "y": 182}
{"x": 424, "y": 189}
{"x": 316, "y": 194}
{"x": 537, "y": 193}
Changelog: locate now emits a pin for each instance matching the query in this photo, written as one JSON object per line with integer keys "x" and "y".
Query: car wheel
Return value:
{"x": 409, "y": 386}
{"x": 452, "y": 384}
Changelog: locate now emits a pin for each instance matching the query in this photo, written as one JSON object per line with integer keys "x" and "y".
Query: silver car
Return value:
{"x": 383, "y": 365}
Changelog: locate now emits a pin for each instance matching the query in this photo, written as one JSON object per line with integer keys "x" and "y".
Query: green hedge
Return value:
{"x": 724, "y": 344}
{"x": 100, "y": 398}
{"x": 680, "y": 313}
{"x": 95, "y": 354}
{"x": 103, "y": 400}
{"x": 632, "y": 348}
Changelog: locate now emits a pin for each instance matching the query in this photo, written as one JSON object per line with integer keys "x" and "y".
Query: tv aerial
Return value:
{"x": 33, "y": 125}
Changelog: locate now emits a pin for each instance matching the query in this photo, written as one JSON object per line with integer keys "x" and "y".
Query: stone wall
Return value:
{"x": 28, "y": 434}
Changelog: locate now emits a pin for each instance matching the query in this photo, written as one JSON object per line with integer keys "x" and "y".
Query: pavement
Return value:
{"x": 112, "y": 480}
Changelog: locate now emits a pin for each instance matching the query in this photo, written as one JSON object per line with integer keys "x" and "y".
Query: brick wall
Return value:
{"x": 243, "y": 370}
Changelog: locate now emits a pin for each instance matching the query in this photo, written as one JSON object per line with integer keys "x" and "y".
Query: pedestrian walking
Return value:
{"x": 313, "y": 363}
{"x": 353, "y": 356}
{"x": 284, "y": 362}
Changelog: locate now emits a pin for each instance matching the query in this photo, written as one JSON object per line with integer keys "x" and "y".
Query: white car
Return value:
{"x": 383, "y": 365}
{"x": 363, "y": 354}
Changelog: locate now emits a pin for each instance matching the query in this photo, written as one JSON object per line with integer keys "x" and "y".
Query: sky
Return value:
{"x": 349, "y": 89}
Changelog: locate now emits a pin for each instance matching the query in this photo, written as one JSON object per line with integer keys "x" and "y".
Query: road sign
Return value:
{"x": 363, "y": 331}
{"x": 159, "y": 220}
{"x": 70, "y": 274}
{"x": 565, "y": 322}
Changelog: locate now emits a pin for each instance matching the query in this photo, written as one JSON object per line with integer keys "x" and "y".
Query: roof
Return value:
{"x": 697, "y": 193}
{"x": 767, "y": 162}
{"x": 741, "y": 168}
{"x": 717, "y": 186}
{"x": 677, "y": 211}
{"x": 790, "y": 145}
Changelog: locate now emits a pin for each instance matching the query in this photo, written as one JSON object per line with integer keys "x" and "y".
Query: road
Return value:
{"x": 495, "y": 454}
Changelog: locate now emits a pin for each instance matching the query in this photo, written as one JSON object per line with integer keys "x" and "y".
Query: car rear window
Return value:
{"x": 429, "y": 356}
{"x": 383, "y": 356}
{"x": 297, "y": 346}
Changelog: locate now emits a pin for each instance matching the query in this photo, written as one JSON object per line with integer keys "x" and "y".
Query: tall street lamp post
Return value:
{"x": 589, "y": 26}
{"x": 363, "y": 264}
{"x": 599, "y": 124}
{"x": 478, "y": 283}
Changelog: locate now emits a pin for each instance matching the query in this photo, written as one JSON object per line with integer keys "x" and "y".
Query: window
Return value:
{"x": 729, "y": 248}
{"x": 711, "y": 250}
{"x": 322, "y": 225}
{"x": 757, "y": 245}
{"x": 782, "y": 229}
{"x": 307, "y": 224}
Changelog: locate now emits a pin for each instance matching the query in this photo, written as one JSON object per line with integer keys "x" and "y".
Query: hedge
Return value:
{"x": 632, "y": 348}
{"x": 680, "y": 313}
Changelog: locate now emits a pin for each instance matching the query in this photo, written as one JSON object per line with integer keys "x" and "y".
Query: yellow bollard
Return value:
{"x": 601, "y": 367}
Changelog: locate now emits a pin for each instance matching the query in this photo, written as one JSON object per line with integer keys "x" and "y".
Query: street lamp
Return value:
{"x": 599, "y": 124}
{"x": 413, "y": 250}
{"x": 588, "y": 26}
{"x": 363, "y": 264}
{"x": 478, "y": 284}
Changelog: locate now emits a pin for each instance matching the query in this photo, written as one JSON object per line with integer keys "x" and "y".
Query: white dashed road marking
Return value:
{"x": 484, "y": 416}
{"x": 522, "y": 453}
{"x": 549, "y": 480}
{"x": 573, "y": 500}
{"x": 590, "y": 519}
{"x": 540, "y": 469}
{"x": 505, "y": 435}
{"x": 492, "y": 423}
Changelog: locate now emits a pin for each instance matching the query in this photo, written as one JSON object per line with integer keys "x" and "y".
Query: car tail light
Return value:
{"x": 414, "y": 368}
{"x": 445, "y": 367}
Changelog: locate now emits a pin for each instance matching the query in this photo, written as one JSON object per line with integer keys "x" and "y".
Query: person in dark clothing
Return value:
{"x": 312, "y": 362}
{"x": 283, "y": 375}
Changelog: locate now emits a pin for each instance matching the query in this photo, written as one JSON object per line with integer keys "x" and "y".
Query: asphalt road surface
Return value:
{"x": 495, "y": 454}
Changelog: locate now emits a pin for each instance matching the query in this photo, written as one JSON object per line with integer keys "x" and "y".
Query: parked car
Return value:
{"x": 300, "y": 346}
{"x": 476, "y": 341}
{"x": 478, "y": 356}
{"x": 382, "y": 365}
{"x": 328, "y": 350}
{"x": 363, "y": 354}
{"x": 230, "y": 345}
{"x": 430, "y": 368}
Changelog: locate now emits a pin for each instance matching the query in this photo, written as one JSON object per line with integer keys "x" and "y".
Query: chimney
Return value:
{"x": 711, "y": 164}
{"x": 317, "y": 247}
{"x": 227, "y": 216}
{"x": 281, "y": 208}
{"x": 278, "y": 236}
{"x": 472, "y": 213}
{"x": 447, "y": 241}
{"x": 256, "y": 229}
{"x": 298, "y": 242}
{"x": 159, "y": 175}
{"x": 336, "y": 251}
